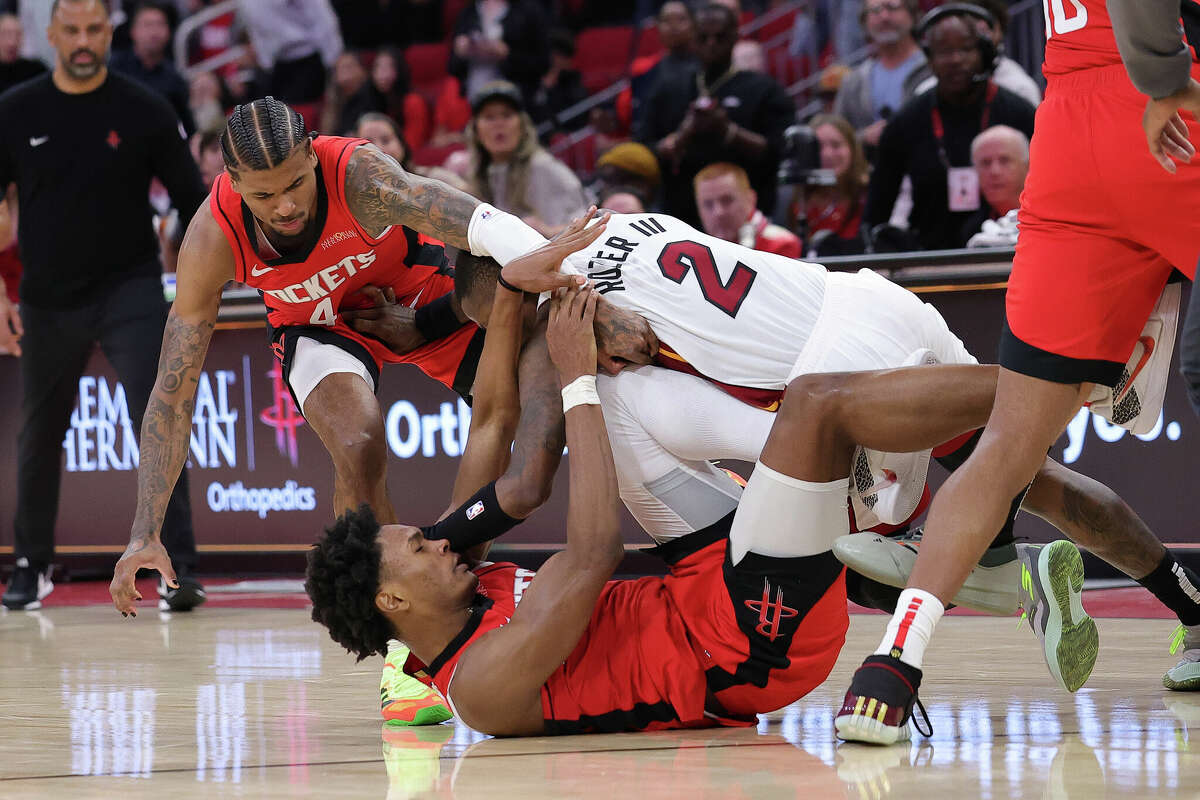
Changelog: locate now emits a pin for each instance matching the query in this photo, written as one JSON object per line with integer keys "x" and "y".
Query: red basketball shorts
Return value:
{"x": 1102, "y": 226}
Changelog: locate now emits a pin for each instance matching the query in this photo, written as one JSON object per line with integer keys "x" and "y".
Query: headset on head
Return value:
{"x": 988, "y": 49}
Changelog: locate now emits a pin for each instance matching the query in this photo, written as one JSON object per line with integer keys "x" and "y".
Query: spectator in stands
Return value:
{"x": 511, "y": 170}
{"x": 383, "y": 132}
{"x": 206, "y": 149}
{"x": 833, "y": 214}
{"x": 729, "y": 211}
{"x": 149, "y": 63}
{"x": 297, "y": 41}
{"x": 750, "y": 55}
{"x": 716, "y": 113}
{"x": 1000, "y": 156}
{"x": 206, "y": 101}
{"x": 500, "y": 39}
{"x": 349, "y": 79}
{"x": 621, "y": 200}
{"x": 388, "y": 92}
{"x": 1008, "y": 73}
{"x": 677, "y": 34}
{"x": 629, "y": 164}
{"x": 930, "y": 138}
{"x": 561, "y": 87}
{"x": 877, "y": 87}
{"x": 13, "y": 68}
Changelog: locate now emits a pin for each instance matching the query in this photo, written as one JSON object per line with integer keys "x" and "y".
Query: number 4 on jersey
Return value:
{"x": 323, "y": 313}
{"x": 679, "y": 258}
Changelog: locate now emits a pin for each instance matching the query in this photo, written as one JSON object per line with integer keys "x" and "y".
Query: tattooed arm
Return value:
{"x": 380, "y": 193}
{"x": 205, "y": 265}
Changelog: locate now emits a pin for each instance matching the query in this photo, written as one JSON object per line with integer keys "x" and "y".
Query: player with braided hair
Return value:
{"x": 319, "y": 225}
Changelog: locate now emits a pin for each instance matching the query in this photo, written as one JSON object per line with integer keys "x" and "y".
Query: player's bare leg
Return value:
{"x": 344, "y": 413}
{"x": 1028, "y": 415}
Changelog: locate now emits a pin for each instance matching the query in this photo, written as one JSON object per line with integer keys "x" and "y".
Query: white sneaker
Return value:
{"x": 1185, "y": 676}
{"x": 887, "y": 487}
{"x": 993, "y": 586}
{"x": 1137, "y": 400}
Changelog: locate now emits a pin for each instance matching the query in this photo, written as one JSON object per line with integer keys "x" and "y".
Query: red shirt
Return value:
{"x": 310, "y": 289}
{"x": 1079, "y": 36}
{"x": 634, "y": 668}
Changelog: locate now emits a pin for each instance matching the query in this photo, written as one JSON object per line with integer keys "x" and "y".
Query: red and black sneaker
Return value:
{"x": 880, "y": 703}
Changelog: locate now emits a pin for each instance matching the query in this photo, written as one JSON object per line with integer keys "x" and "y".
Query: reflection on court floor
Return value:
{"x": 259, "y": 703}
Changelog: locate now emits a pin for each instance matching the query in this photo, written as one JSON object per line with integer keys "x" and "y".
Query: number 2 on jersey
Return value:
{"x": 323, "y": 313}
{"x": 677, "y": 259}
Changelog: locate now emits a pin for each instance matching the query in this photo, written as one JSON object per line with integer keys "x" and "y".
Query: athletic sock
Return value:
{"x": 908, "y": 632}
{"x": 785, "y": 517}
{"x": 1177, "y": 588}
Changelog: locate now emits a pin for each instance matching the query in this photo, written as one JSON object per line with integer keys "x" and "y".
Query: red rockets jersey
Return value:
{"x": 708, "y": 644}
{"x": 634, "y": 668}
{"x": 1079, "y": 36}
{"x": 310, "y": 289}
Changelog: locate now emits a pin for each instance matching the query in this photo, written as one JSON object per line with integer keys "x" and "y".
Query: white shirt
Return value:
{"x": 737, "y": 315}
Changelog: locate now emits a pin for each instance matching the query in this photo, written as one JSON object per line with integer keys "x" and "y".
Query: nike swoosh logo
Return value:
{"x": 413, "y": 304}
{"x": 38, "y": 141}
{"x": 256, "y": 272}
{"x": 1147, "y": 343}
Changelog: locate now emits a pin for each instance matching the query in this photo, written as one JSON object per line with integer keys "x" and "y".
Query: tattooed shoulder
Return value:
{"x": 380, "y": 193}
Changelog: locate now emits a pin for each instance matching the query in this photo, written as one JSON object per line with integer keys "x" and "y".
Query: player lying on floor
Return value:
{"x": 665, "y": 425}
{"x": 567, "y": 650}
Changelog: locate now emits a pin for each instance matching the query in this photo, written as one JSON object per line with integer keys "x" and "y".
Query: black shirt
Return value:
{"x": 82, "y": 164}
{"x": 19, "y": 71}
{"x": 908, "y": 147}
{"x": 752, "y": 100}
{"x": 163, "y": 78}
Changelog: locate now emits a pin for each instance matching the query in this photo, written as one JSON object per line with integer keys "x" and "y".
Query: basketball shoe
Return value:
{"x": 992, "y": 587}
{"x": 1052, "y": 602}
{"x": 28, "y": 586}
{"x": 1185, "y": 676}
{"x": 404, "y": 700}
{"x": 1137, "y": 400}
{"x": 880, "y": 703}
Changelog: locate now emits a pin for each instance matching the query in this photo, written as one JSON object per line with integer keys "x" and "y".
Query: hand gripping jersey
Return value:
{"x": 739, "y": 317}
{"x": 310, "y": 289}
{"x": 710, "y": 644}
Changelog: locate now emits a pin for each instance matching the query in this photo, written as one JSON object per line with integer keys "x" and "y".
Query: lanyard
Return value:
{"x": 939, "y": 131}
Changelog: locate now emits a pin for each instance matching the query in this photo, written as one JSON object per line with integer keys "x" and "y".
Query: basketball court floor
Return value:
{"x": 259, "y": 703}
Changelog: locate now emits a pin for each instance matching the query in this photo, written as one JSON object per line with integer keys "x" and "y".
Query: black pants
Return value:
{"x": 128, "y": 324}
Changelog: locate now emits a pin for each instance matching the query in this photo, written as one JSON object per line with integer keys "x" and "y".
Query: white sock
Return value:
{"x": 785, "y": 517}
{"x": 908, "y": 632}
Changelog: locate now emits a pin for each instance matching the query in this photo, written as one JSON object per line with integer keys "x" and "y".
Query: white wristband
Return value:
{"x": 496, "y": 233}
{"x": 581, "y": 391}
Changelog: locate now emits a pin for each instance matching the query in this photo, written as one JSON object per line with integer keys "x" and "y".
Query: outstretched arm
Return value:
{"x": 380, "y": 193}
{"x": 498, "y": 680}
{"x": 205, "y": 264}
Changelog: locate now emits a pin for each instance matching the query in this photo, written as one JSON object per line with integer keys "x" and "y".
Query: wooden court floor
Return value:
{"x": 260, "y": 704}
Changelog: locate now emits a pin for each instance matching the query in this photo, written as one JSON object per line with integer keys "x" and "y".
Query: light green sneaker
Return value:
{"x": 404, "y": 700}
{"x": 1185, "y": 676}
{"x": 1052, "y": 602}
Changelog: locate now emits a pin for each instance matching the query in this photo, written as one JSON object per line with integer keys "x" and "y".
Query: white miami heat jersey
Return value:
{"x": 736, "y": 315}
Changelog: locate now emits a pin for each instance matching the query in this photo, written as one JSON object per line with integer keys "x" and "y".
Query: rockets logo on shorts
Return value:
{"x": 475, "y": 510}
